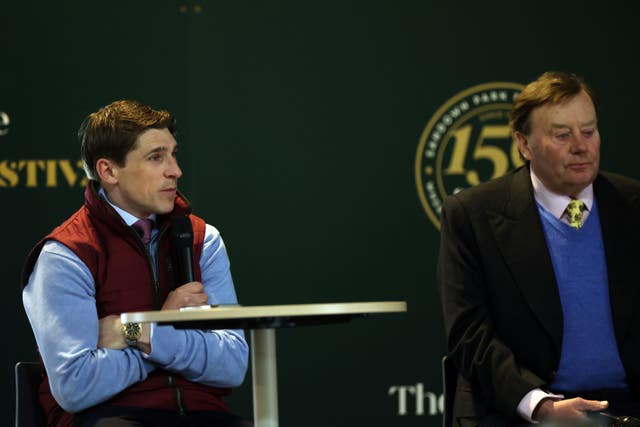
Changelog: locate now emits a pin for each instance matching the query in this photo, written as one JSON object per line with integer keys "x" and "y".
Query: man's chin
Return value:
{"x": 583, "y": 176}
{"x": 165, "y": 209}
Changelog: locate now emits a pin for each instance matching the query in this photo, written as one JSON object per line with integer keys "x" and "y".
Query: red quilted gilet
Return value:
{"x": 122, "y": 273}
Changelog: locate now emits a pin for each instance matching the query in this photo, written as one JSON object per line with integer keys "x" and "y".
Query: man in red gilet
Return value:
{"x": 115, "y": 255}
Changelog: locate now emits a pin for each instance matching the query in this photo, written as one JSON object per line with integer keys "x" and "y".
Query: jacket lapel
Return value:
{"x": 518, "y": 232}
{"x": 617, "y": 225}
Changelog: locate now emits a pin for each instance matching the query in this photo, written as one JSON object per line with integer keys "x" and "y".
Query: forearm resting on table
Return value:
{"x": 551, "y": 409}
{"x": 111, "y": 335}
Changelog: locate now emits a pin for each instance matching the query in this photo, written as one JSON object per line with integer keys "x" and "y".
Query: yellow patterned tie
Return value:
{"x": 574, "y": 210}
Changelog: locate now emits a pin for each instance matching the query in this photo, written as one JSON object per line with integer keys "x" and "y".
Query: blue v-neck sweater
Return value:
{"x": 589, "y": 358}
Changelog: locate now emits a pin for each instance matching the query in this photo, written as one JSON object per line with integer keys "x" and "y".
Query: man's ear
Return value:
{"x": 523, "y": 145}
{"x": 107, "y": 171}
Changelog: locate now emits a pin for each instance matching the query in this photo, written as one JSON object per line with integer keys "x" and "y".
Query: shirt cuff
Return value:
{"x": 151, "y": 327}
{"x": 531, "y": 400}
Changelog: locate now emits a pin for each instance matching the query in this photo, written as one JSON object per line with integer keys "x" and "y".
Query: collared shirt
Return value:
{"x": 557, "y": 203}
{"x": 130, "y": 219}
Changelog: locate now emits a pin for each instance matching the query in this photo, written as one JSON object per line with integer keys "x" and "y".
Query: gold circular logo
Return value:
{"x": 4, "y": 123}
{"x": 466, "y": 142}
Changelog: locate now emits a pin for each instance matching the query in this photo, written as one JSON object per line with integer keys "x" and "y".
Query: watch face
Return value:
{"x": 132, "y": 330}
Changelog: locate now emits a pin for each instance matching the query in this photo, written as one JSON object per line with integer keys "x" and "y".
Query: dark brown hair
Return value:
{"x": 113, "y": 131}
{"x": 552, "y": 87}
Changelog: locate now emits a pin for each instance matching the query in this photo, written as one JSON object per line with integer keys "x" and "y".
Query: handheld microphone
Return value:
{"x": 627, "y": 422}
{"x": 182, "y": 244}
{"x": 623, "y": 421}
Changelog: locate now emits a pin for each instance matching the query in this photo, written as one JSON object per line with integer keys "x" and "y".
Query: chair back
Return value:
{"x": 29, "y": 413}
{"x": 449, "y": 382}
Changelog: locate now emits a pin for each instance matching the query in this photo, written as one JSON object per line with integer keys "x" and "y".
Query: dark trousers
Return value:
{"x": 119, "y": 416}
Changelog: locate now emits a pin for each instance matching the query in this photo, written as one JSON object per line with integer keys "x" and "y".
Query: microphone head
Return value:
{"x": 181, "y": 232}
{"x": 628, "y": 422}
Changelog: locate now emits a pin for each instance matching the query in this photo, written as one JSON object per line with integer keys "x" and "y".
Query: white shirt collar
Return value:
{"x": 128, "y": 218}
{"x": 557, "y": 203}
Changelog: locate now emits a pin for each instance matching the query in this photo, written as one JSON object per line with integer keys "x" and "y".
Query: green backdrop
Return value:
{"x": 299, "y": 124}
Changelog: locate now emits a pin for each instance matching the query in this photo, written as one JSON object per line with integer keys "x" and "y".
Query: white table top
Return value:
{"x": 261, "y": 311}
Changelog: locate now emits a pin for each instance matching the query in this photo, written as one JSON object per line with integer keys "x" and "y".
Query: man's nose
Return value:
{"x": 579, "y": 143}
{"x": 174, "y": 170}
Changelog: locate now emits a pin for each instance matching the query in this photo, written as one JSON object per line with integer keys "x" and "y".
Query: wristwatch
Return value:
{"x": 132, "y": 332}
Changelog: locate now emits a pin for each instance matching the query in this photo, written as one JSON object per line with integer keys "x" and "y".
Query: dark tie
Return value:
{"x": 143, "y": 227}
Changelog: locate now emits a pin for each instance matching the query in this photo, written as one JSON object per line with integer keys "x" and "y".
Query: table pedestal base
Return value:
{"x": 265, "y": 377}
